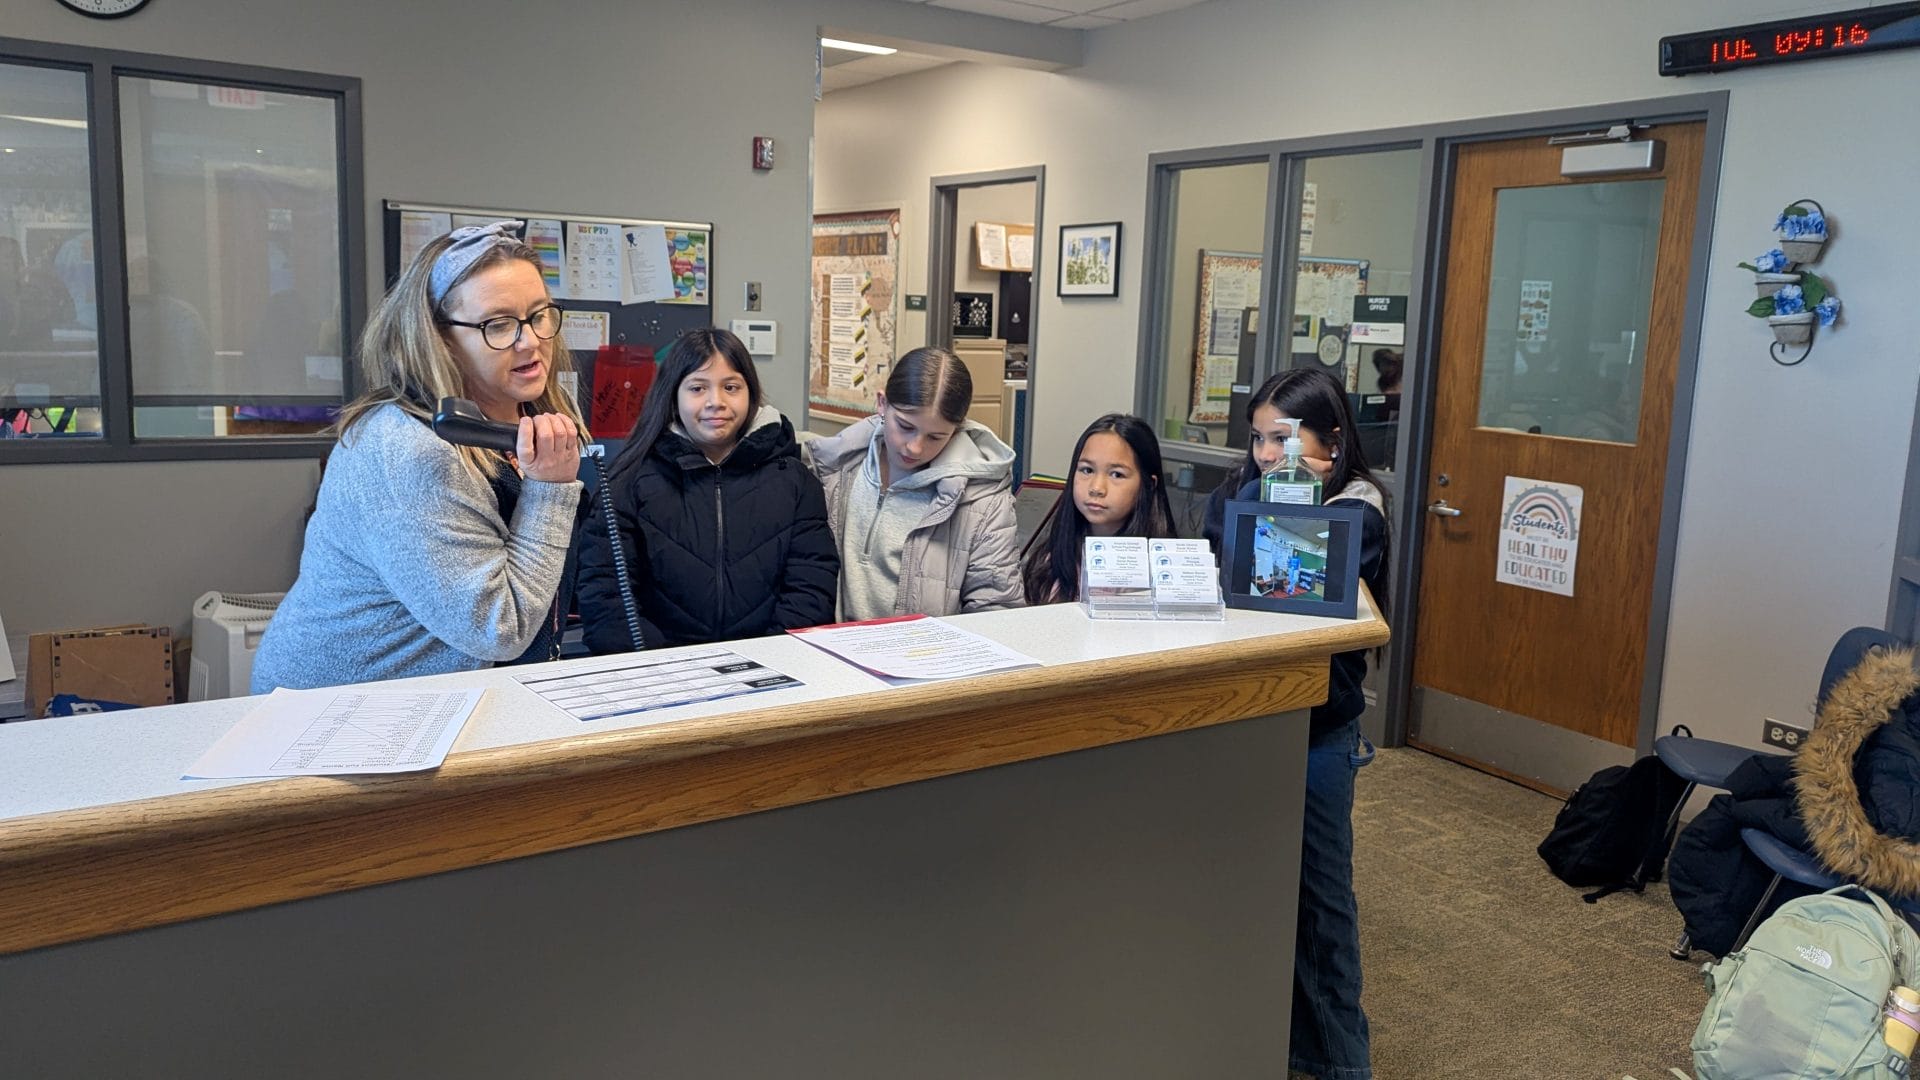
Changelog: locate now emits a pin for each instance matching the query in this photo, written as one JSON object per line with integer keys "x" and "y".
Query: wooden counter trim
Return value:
{"x": 84, "y": 873}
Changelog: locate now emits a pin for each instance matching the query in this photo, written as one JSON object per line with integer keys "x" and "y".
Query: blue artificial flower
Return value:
{"x": 1800, "y": 226}
{"x": 1773, "y": 262}
{"x": 1788, "y": 300}
{"x": 1827, "y": 310}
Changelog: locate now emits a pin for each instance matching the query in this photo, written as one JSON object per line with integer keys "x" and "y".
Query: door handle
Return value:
{"x": 1441, "y": 508}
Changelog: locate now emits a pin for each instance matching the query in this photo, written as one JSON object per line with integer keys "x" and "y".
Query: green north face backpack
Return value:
{"x": 1804, "y": 999}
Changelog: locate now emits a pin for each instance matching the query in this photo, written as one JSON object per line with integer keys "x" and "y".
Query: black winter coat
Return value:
{"x": 1715, "y": 881}
{"x": 716, "y": 552}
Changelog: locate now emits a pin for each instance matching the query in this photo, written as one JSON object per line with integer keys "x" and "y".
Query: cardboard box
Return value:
{"x": 129, "y": 665}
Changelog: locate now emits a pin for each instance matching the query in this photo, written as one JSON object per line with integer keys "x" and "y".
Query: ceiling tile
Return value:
{"x": 1006, "y": 9}
{"x": 1140, "y": 9}
{"x": 1085, "y": 22}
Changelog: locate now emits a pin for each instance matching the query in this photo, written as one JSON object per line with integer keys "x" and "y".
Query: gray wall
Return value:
{"x": 640, "y": 108}
{"x": 1751, "y": 618}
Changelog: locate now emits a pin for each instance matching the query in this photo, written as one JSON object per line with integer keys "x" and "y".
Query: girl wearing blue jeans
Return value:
{"x": 1329, "y": 1034}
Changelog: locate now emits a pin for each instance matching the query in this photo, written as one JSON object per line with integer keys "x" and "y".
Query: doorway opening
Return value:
{"x": 983, "y": 257}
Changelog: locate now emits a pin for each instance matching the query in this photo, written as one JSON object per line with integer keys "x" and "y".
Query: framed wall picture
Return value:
{"x": 1303, "y": 560}
{"x": 973, "y": 314}
{"x": 1090, "y": 260}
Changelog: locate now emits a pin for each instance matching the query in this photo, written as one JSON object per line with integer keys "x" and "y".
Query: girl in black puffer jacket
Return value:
{"x": 724, "y": 528}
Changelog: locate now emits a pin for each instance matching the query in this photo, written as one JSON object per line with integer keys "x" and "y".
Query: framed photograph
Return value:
{"x": 1090, "y": 260}
{"x": 973, "y": 314}
{"x": 1302, "y": 560}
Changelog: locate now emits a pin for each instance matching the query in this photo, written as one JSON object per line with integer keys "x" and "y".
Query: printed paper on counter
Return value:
{"x": 914, "y": 647}
{"x": 339, "y": 732}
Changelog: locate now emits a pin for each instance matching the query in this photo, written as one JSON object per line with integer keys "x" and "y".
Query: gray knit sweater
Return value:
{"x": 408, "y": 569}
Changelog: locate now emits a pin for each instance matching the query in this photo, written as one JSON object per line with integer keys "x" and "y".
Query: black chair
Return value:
{"x": 1791, "y": 864}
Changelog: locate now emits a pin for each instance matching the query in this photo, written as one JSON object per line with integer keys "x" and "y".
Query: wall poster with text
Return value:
{"x": 856, "y": 275}
{"x": 1229, "y": 285}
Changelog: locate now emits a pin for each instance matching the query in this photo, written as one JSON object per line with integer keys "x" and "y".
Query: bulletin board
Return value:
{"x": 852, "y": 328}
{"x": 1323, "y": 295}
{"x": 597, "y": 269}
{"x": 1229, "y": 285}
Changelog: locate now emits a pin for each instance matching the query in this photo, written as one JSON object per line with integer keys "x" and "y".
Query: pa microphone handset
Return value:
{"x": 461, "y": 423}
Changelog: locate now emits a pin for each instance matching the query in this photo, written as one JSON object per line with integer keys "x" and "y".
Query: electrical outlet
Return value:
{"x": 1783, "y": 735}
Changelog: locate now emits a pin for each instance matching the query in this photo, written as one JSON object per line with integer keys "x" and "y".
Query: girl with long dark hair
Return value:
{"x": 724, "y": 529}
{"x": 1118, "y": 489}
{"x": 1329, "y": 1033}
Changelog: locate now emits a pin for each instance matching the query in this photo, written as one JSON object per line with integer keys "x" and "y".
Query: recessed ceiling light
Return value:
{"x": 52, "y": 121}
{"x": 856, "y": 46}
{"x": 9, "y": 149}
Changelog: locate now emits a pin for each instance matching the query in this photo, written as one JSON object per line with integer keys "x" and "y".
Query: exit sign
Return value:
{"x": 1838, "y": 33}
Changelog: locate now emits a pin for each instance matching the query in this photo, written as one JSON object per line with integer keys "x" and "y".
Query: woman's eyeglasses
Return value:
{"x": 503, "y": 332}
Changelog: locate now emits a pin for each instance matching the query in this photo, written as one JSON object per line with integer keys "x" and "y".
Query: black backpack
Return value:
{"x": 1613, "y": 831}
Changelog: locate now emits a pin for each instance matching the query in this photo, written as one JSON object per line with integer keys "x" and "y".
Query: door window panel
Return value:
{"x": 1570, "y": 291}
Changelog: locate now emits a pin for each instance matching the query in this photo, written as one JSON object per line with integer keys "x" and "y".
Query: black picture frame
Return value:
{"x": 973, "y": 315}
{"x": 1089, "y": 260}
{"x": 1331, "y": 590}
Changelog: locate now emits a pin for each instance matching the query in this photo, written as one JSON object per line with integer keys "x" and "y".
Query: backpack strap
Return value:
{"x": 1898, "y": 929}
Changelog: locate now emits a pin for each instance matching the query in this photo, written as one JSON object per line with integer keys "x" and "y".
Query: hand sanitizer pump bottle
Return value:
{"x": 1291, "y": 481}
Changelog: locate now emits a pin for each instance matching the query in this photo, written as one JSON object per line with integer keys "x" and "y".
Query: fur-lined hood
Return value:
{"x": 1826, "y": 779}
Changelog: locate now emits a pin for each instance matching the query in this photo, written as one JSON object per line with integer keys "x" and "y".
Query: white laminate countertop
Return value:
{"x": 69, "y": 763}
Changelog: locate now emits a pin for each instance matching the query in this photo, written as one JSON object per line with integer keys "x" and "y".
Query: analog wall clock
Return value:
{"x": 105, "y": 9}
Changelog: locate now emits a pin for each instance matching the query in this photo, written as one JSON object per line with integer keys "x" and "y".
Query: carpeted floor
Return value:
{"x": 1480, "y": 964}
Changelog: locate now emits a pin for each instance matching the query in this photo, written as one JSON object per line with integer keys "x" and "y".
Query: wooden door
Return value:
{"x": 1559, "y": 346}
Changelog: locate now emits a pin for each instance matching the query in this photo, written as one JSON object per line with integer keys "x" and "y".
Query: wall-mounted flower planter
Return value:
{"x": 1804, "y": 250}
{"x": 1793, "y": 299}
{"x": 1792, "y": 329}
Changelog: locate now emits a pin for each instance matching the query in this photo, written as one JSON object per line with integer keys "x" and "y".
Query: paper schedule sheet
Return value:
{"x": 914, "y": 647}
{"x": 337, "y": 732}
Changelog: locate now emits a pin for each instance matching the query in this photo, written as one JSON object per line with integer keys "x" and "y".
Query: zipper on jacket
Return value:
{"x": 720, "y": 552}
{"x": 879, "y": 508}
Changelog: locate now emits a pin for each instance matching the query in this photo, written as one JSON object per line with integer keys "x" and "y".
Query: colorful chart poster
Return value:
{"x": 545, "y": 237}
{"x": 855, "y": 275}
{"x": 688, "y": 261}
{"x": 593, "y": 261}
{"x": 1539, "y": 535}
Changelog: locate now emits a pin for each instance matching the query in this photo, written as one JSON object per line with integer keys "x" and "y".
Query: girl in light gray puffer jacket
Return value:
{"x": 921, "y": 499}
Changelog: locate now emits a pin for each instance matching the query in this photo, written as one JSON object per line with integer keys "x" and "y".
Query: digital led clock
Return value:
{"x": 1836, "y": 33}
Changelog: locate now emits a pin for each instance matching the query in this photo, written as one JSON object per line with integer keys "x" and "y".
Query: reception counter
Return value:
{"x": 1082, "y": 869}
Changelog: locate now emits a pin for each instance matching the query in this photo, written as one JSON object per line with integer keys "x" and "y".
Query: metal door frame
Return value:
{"x": 1417, "y": 436}
{"x": 941, "y": 244}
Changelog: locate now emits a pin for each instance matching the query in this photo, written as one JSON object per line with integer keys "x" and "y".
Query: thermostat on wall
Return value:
{"x": 759, "y": 334}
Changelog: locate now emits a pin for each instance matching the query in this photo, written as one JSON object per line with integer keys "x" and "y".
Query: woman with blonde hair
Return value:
{"x": 422, "y": 557}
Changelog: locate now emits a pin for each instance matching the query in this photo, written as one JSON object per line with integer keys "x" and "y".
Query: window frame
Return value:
{"x": 103, "y": 69}
{"x": 1286, "y": 161}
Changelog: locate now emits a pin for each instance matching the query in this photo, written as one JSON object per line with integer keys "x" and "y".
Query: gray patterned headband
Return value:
{"x": 469, "y": 243}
